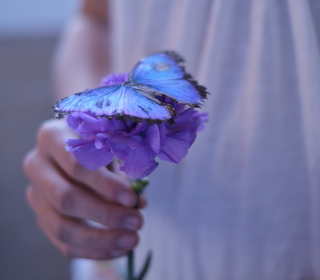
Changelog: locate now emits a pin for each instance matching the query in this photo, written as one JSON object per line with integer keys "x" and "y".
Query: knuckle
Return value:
{"x": 93, "y": 241}
{"x": 136, "y": 240}
{"x": 129, "y": 219}
{"x": 46, "y": 129}
{"x": 29, "y": 161}
{"x": 75, "y": 169}
{"x": 65, "y": 200}
{"x": 69, "y": 252}
{"x": 49, "y": 132}
{"x": 28, "y": 194}
{"x": 102, "y": 242}
{"x": 115, "y": 216}
{"x": 62, "y": 232}
{"x": 72, "y": 252}
{"x": 99, "y": 256}
{"x": 106, "y": 217}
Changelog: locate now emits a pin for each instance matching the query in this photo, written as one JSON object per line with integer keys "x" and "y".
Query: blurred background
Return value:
{"x": 29, "y": 32}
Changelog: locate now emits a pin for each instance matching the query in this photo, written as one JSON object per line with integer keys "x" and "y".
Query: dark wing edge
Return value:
{"x": 180, "y": 62}
{"x": 150, "y": 121}
{"x": 57, "y": 113}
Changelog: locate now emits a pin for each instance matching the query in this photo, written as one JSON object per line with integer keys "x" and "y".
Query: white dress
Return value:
{"x": 245, "y": 202}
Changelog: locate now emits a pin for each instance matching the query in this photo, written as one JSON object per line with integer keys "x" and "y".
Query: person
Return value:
{"x": 244, "y": 203}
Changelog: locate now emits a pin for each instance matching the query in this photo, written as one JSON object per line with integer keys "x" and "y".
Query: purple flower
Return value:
{"x": 114, "y": 79}
{"x": 135, "y": 145}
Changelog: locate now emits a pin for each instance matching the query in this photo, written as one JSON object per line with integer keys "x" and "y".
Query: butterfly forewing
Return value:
{"x": 164, "y": 73}
{"x": 115, "y": 101}
{"x": 97, "y": 101}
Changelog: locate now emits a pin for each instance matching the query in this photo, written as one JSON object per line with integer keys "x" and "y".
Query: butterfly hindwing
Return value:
{"x": 164, "y": 73}
{"x": 142, "y": 107}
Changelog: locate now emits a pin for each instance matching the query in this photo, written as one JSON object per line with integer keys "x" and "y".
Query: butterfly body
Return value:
{"x": 136, "y": 99}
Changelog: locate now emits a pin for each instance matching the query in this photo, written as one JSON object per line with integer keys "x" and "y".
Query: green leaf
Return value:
{"x": 138, "y": 185}
{"x": 145, "y": 267}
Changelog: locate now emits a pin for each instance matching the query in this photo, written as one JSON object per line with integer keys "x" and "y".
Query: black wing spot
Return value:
{"x": 99, "y": 103}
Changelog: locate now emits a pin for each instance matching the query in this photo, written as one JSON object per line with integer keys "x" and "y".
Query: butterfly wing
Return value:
{"x": 140, "y": 106}
{"x": 119, "y": 101}
{"x": 157, "y": 74}
{"x": 164, "y": 74}
{"x": 97, "y": 101}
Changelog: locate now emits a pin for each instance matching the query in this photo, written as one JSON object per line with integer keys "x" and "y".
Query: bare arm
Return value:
{"x": 82, "y": 58}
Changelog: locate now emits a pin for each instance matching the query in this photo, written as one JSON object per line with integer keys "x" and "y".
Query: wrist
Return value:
{"x": 96, "y": 10}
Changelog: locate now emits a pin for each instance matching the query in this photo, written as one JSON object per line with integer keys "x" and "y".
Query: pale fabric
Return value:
{"x": 245, "y": 202}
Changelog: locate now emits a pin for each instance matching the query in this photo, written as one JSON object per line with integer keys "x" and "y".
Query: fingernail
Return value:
{"x": 116, "y": 253}
{"x": 126, "y": 198}
{"x": 127, "y": 241}
{"x": 132, "y": 223}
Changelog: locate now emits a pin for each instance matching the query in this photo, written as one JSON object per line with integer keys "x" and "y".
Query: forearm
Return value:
{"x": 82, "y": 57}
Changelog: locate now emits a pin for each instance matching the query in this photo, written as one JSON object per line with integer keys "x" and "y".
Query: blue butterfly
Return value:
{"x": 156, "y": 75}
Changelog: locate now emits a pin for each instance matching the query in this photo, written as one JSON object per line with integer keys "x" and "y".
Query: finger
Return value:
{"x": 73, "y": 200}
{"x": 76, "y": 252}
{"x": 114, "y": 166}
{"x": 75, "y": 233}
{"x": 103, "y": 181}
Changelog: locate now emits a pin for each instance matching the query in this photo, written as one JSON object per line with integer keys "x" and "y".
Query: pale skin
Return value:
{"x": 63, "y": 194}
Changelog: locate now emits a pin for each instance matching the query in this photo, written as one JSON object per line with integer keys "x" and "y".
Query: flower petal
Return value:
{"x": 115, "y": 79}
{"x": 112, "y": 125}
{"x": 90, "y": 124}
{"x": 201, "y": 118}
{"x": 87, "y": 155}
{"x": 152, "y": 138}
{"x": 139, "y": 128}
{"x": 119, "y": 150}
{"x": 184, "y": 121}
{"x": 176, "y": 146}
{"x": 74, "y": 120}
{"x": 131, "y": 141}
{"x": 139, "y": 163}
{"x": 85, "y": 124}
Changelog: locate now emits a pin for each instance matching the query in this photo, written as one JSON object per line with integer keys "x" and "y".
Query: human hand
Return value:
{"x": 64, "y": 196}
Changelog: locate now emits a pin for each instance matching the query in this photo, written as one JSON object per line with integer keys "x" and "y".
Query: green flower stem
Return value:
{"x": 131, "y": 265}
{"x": 138, "y": 186}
